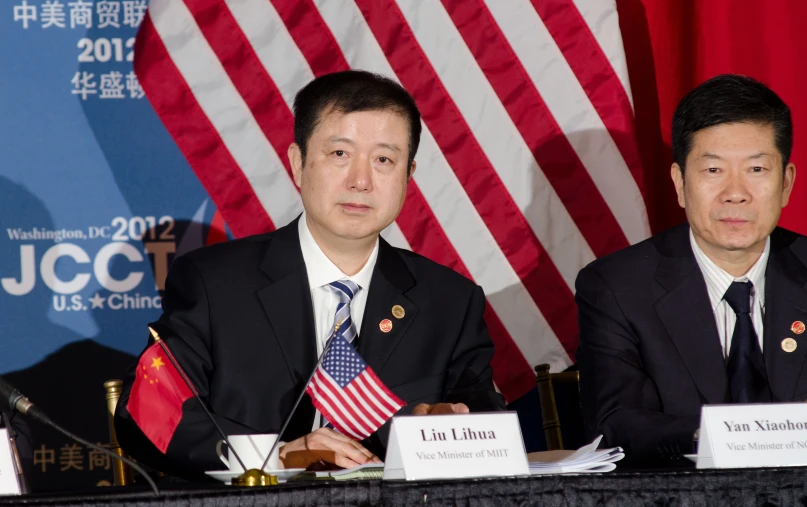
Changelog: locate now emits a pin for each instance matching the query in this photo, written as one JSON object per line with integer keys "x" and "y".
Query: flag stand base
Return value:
{"x": 254, "y": 477}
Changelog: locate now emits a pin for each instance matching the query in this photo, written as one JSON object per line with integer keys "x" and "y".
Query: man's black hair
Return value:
{"x": 730, "y": 98}
{"x": 351, "y": 91}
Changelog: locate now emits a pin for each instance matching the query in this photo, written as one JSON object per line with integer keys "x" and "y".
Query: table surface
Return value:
{"x": 708, "y": 488}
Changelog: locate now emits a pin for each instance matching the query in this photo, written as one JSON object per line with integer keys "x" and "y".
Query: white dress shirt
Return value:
{"x": 321, "y": 272}
{"x": 718, "y": 282}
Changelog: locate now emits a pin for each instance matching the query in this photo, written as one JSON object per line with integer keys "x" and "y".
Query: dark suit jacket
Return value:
{"x": 650, "y": 353}
{"x": 239, "y": 318}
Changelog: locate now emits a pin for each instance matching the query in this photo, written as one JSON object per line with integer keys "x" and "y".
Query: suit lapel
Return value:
{"x": 287, "y": 302}
{"x": 686, "y": 313}
{"x": 391, "y": 279}
{"x": 785, "y": 303}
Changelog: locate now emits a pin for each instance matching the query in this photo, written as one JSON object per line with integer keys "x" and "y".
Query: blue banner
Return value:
{"x": 95, "y": 202}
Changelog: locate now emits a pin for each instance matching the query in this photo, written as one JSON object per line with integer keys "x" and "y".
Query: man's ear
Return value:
{"x": 296, "y": 162}
{"x": 677, "y": 176}
{"x": 787, "y": 184}
{"x": 412, "y": 170}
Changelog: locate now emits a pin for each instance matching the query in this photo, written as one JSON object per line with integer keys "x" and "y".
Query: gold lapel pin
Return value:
{"x": 385, "y": 325}
{"x": 797, "y": 327}
{"x": 789, "y": 345}
{"x": 398, "y": 312}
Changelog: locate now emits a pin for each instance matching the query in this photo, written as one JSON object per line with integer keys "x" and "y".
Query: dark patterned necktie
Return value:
{"x": 748, "y": 381}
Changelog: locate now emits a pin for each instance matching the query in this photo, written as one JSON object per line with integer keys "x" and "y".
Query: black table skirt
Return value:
{"x": 712, "y": 488}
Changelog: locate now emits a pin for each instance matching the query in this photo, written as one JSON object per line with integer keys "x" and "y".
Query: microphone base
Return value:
{"x": 254, "y": 477}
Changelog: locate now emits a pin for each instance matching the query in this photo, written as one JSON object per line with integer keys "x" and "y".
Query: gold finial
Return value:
{"x": 154, "y": 334}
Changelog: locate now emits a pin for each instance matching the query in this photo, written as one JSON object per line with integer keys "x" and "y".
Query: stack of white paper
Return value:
{"x": 587, "y": 459}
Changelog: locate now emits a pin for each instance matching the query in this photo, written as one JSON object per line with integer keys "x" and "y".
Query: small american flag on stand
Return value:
{"x": 348, "y": 392}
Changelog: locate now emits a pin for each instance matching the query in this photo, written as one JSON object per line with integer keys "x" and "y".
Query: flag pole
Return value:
{"x": 195, "y": 392}
{"x": 299, "y": 398}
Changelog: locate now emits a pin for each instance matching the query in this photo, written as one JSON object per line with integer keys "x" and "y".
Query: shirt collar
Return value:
{"x": 321, "y": 270}
{"x": 718, "y": 280}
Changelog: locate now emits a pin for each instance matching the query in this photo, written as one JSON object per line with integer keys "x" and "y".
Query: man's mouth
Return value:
{"x": 355, "y": 207}
{"x": 734, "y": 221}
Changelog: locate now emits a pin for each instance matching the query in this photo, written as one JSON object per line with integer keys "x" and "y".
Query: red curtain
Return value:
{"x": 673, "y": 45}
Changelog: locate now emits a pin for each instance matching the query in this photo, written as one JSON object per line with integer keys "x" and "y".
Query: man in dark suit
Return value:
{"x": 710, "y": 311}
{"x": 247, "y": 319}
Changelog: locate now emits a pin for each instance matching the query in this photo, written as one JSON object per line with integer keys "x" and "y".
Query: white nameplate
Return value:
{"x": 9, "y": 484}
{"x": 742, "y": 436}
{"x": 455, "y": 446}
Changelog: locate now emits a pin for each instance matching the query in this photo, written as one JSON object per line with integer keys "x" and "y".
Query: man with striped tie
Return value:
{"x": 248, "y": 319}
{"x": 711, "y": 311}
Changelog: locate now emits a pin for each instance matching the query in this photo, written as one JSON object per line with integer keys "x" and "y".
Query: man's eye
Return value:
{"x": 383, "y": 160}
{"x": 757, "y": 169}
{"x": 713, "y": 169}
{"x": 339, "y": 153}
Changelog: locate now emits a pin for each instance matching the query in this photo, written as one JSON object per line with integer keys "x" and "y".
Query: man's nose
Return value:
{"x": 735, "y": 191}
{"x": 360, "y": 176}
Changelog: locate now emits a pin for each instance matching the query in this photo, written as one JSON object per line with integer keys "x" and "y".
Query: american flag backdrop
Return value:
{"x": 528, "y": 167}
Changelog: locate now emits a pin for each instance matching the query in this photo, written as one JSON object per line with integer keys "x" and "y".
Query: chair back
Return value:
{"x": 567, "y": 385}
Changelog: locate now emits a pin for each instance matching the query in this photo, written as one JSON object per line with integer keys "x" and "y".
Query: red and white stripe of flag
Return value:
{"x": 528, "y": 162}
{"x": 358, "y": 409}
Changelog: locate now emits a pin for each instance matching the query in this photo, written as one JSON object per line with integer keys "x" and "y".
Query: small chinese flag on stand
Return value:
{"x": 157, "y": 396}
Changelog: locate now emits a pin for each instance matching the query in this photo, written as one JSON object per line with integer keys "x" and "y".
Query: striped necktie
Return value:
{"x": 342, "y": 323}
